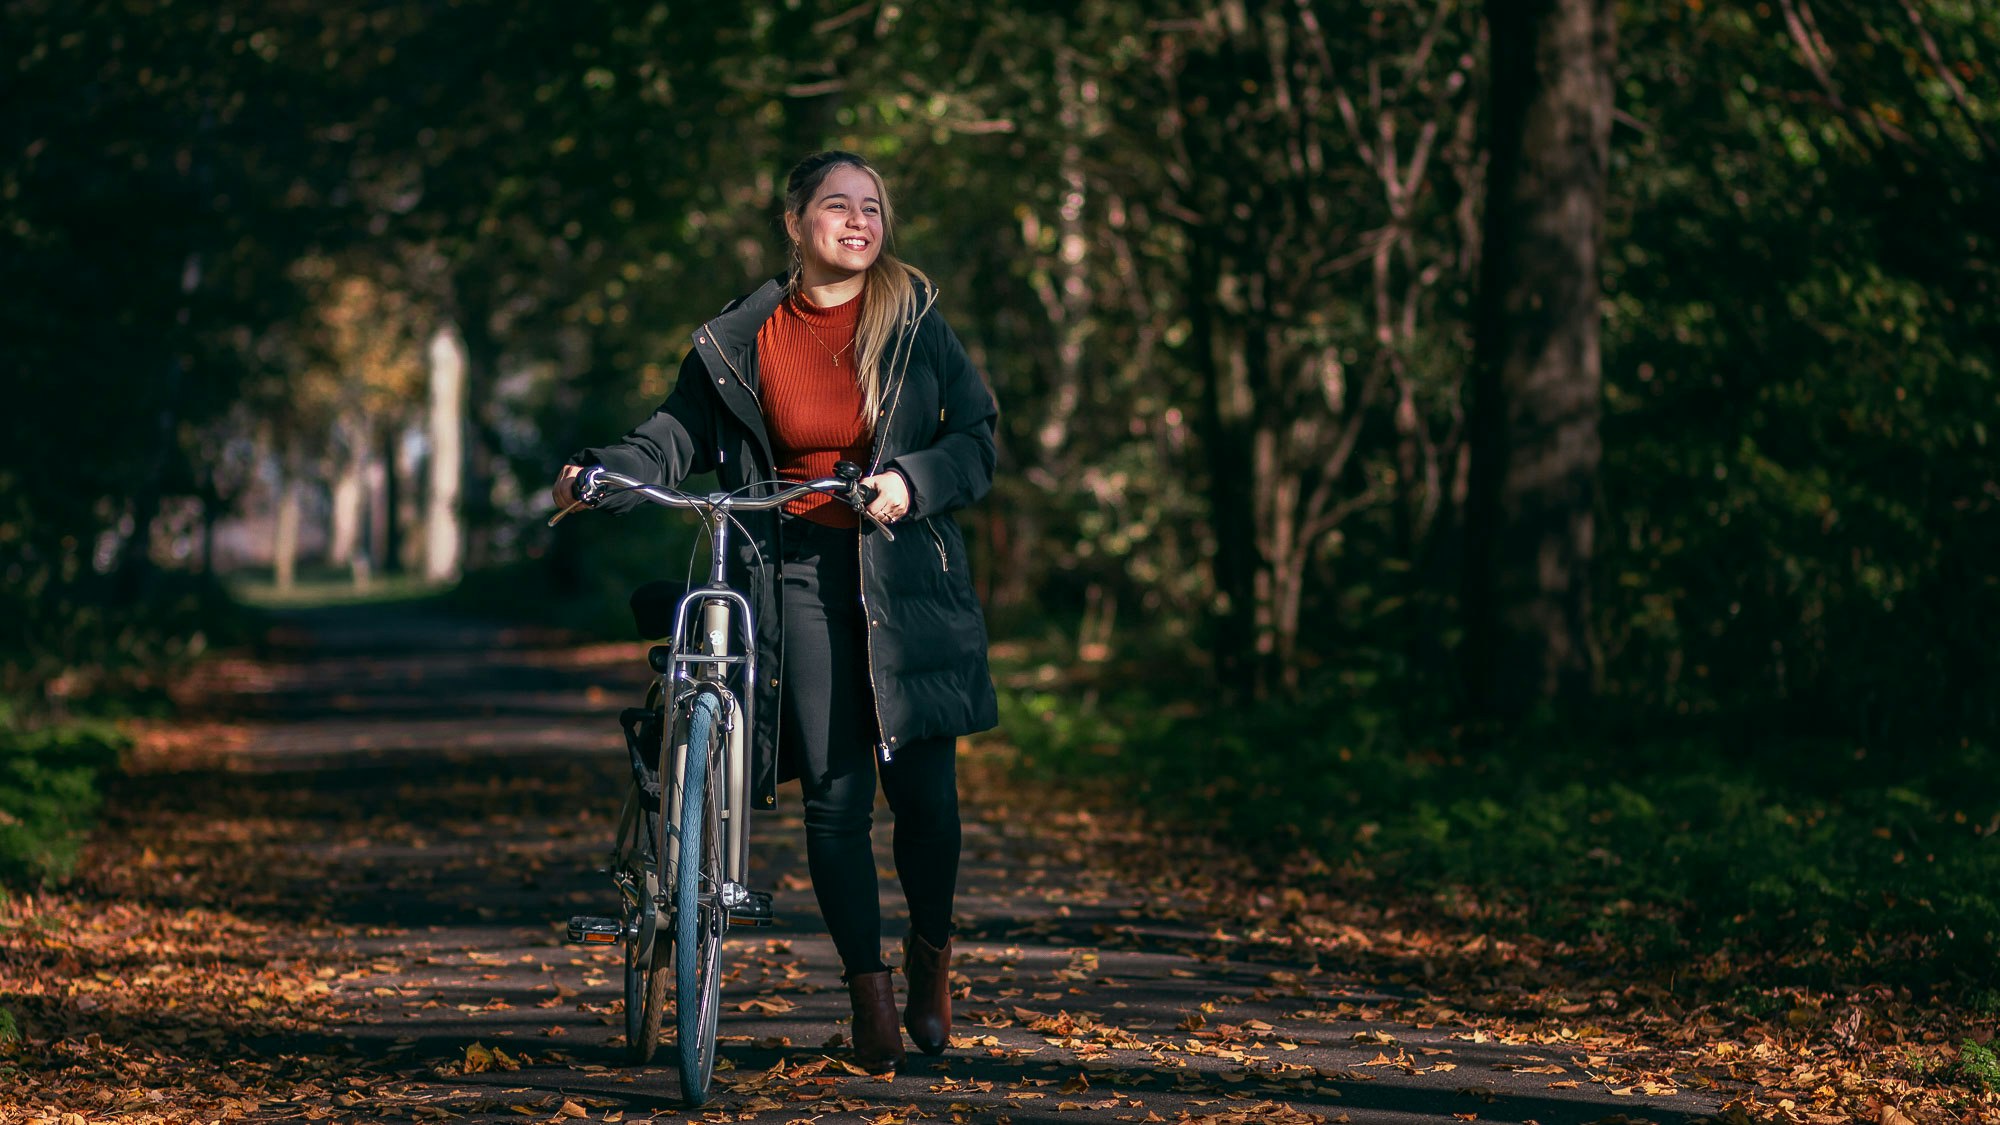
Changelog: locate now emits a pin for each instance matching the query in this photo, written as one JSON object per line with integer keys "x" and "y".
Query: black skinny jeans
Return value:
{"x": 829, "y": 729}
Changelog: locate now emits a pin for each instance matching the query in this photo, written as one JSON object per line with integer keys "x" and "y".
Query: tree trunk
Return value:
{"x": 376, "y": 484}
{"x": 350, "y": 499}
{"x": 285, "y": 532}
{"x": 387, "y": 510}
{"x": 1536, "y": 371}
{"x": 444, "y": 533}
{"x": 1226, "y": 426}
{"x": 1063, "y": 288}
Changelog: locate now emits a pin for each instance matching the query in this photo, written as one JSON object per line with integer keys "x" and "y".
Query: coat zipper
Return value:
{"x": 943, "y": 561}
{"x": 888, "y": 743}
{"x": 886, "y": 747}
{"x": 708, "y": 336}
{"x": 909, "y": 349}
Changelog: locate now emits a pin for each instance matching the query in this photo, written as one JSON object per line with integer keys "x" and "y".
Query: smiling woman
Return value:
{"x": 838, "y": 234}
{"x": 882, "y": 650}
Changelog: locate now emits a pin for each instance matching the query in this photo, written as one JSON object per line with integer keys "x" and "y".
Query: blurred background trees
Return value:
{"x": 336, "y": 285}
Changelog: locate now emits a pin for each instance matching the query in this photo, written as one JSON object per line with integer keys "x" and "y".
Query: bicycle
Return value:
{"x": 681, "y": 850}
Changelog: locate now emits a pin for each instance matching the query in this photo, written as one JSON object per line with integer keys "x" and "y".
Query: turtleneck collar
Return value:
{"x": 836, "y": 316}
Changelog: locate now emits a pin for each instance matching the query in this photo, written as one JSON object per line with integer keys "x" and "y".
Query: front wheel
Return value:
{"x": 699, "y": 916}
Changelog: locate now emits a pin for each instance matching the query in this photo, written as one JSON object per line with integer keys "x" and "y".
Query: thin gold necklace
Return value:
{"x": 831, "y": 353}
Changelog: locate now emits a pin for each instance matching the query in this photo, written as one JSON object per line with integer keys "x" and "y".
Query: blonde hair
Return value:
{"x": 889, "y": 294}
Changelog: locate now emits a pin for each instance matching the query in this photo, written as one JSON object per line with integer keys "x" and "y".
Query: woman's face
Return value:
{"x": 840, "y": 233}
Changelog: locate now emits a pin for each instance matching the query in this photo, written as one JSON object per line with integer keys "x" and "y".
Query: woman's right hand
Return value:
{"x": 564, "y": 489}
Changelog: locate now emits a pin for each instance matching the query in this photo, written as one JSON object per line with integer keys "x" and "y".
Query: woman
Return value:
{"x": 881, "y": 645}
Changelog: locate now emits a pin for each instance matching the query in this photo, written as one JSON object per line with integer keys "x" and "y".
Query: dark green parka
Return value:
{"x": 926, "y": 634}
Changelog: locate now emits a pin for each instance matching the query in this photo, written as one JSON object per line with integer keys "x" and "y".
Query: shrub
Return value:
{"x": 48, "y": 791}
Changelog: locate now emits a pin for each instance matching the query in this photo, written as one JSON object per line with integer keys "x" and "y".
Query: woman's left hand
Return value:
{"x": 892, "y": 496}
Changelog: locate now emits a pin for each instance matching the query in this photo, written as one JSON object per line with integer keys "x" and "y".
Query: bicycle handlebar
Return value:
{"x": 597, "y": 484}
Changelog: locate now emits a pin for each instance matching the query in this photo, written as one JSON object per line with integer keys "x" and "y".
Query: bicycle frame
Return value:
{"x": 723, "y": 635}
{"x": 714, "y": 630}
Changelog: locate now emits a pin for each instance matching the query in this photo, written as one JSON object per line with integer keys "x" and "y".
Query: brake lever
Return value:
{"x": 863, "y": 495}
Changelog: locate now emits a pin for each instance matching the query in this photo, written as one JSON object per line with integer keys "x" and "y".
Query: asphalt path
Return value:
{"x": 453, "y": 786}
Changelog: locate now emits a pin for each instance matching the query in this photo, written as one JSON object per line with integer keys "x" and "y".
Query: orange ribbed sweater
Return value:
{"x": 812, "y": 403}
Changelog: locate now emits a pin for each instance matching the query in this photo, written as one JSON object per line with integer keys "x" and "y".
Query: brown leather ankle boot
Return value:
{"x": 928, "y": 1014}
{"x": 878, "y": 1042}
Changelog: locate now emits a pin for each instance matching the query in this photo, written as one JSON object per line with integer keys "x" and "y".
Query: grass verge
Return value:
{"x": 1810, "y": 858}
{"x": 316, "y": 588}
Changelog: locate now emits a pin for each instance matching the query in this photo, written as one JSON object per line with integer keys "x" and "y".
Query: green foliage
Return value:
{"x": 1802, "y": 385}
{"x": 10, "y": 1032}
{"x": 48, "y": 792}
{"x": 1980, "y": 1065}
{"x": 1677, "y": 843}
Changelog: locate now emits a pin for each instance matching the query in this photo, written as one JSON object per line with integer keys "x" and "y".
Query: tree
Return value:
{"x": 1537, "y": 369}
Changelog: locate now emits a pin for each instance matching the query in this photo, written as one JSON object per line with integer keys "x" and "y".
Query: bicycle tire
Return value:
{"x": 645, "y": 984}
{"x": 698, "y": 917}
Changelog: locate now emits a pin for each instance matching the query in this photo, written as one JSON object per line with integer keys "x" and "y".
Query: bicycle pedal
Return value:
{"x": 586, "y": 929}
{"x": 753, "y": 911}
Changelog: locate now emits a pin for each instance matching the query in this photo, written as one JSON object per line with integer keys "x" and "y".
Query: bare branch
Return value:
{"x": 1420, "y": 159}
{"x": 834, "y": 23}
{"x": 1425, "y": 45}
{"x": 1630, "y": 122}
{"x": 1371, "y": 241}
{"x": 1949, "y": 77}
{"x": 1318, "y": 526}
{"x": 1804, "y": 31}
{"x": 816, "y": 89}
{"x": 1309, "y": 20}
{"x": 1353, "y": 121}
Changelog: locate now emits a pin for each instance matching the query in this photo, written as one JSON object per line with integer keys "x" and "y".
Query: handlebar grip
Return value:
{"x": 589, "y": 486}
{"x": 859, "y": 494}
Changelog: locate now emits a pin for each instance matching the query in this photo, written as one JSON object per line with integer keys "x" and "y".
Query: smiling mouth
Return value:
{"x": 855, "y": 243}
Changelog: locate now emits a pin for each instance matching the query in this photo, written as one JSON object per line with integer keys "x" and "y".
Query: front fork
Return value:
{"x": 733, "y": 777}
{"x": 716, "y": 630}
